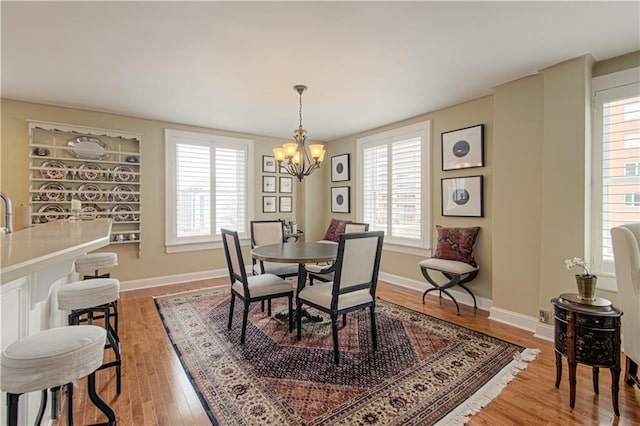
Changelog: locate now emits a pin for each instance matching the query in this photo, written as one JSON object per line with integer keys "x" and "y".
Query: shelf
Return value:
{"x": 107, "y": 162}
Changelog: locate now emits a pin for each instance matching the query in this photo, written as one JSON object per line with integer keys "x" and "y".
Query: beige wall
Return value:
{"x": 153, "y": 261}
{"x": 536, "y": 130}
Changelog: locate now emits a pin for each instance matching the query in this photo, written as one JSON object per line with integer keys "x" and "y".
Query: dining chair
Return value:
{"x": 354, "y": 285}
{"x": 625, "y": 241}
{"x": 255, "y": 288}
{"x": 325, "y": 271}
{"x": 270, "y": 232}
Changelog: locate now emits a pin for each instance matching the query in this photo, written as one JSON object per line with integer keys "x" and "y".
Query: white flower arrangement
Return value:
{"x": 576, "y": 261}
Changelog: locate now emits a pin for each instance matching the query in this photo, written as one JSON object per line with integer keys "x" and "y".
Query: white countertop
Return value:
{"x": 31, "y": 249}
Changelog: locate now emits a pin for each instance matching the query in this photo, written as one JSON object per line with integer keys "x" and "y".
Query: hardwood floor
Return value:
{"x": 156, "y": 391}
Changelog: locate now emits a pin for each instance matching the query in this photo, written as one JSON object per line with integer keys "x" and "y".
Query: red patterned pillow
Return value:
{"x": 457, "y": 244}
{"x": 335, "y": 229}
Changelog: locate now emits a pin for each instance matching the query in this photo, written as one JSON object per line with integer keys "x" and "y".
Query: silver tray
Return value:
{"x": 88, "y": 148}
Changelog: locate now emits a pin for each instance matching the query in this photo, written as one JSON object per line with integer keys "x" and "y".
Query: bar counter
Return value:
{"x": 32, "y": 249}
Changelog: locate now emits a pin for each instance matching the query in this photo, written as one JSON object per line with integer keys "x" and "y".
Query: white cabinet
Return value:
{"x": 96, "y": 169}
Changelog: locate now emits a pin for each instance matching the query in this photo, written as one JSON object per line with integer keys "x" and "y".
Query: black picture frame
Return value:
{"x": 268, "y": 184}
{"x": 286, "y": 184}
{"x": 269, "y": 204}
{"x": 463, "y": 148}
{"x": 340, "y": 168}
{"x": 341, "y": 199}
{"x": 463, "y": 196}
{"x": 286, "y": 204}
{"x": 268, "y": 164}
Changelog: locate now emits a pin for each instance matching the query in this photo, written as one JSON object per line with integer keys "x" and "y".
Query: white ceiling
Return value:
{"x": 232, "y": 65}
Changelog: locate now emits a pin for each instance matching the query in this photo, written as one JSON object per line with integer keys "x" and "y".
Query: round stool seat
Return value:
{"x": 88, "y": 293}
{"x": 52, "y": 358}
{"x": 94, "y": 261}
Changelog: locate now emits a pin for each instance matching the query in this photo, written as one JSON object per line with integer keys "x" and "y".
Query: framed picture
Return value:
{"x": 462, "y": 196}
{"x": 463, "y": 148}
{"x": 340, "y": 202}
{"x": 286, "y": 184}
{"x": 340, "y": 168}
{"x": 268, "y": 184}
{"x": 286, "y": 204}
{"x": 269, "y": 204}
{"x": 268, "y": 164}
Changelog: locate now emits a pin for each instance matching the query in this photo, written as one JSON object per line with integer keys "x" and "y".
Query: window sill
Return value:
{"x": 399, "y": 248}
{"x": 211, "y": 245}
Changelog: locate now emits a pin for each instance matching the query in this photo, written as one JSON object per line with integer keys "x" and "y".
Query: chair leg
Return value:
{"x": 374, "y": 331}
{"x": 245, "y": 316}
{"x": 12, "y": 408}
{"x": 299, "y": 319}
{"x": 231, "y": 305}
{"x": 334, "y": 329}
{"x": 290, "y": 313}
{"x": 69, "y": 388}
{"x": 269, "y": 307}
{"x": 98, "y": 402}
{"x": 43, "y": 406}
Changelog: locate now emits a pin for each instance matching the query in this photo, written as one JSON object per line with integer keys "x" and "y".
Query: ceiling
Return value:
{"x": 232, "y": 65}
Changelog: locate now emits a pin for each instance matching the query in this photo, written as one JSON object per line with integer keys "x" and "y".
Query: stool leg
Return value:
{"x": 43, "y": 406}
{"x": 12, "y": 408}
{"x": 115, "y": 346}
{"x": 55, "y": 402}
{"x": 99, "y": 402}
{"x": 69, "y": 388}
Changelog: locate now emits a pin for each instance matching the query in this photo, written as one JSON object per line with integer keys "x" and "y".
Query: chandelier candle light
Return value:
{"x": 293, "y": 156}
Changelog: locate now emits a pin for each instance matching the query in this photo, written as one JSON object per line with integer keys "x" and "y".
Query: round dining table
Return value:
{"x": 300, "y": 253}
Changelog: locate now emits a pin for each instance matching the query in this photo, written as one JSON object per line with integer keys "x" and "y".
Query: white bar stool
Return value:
{"x": 94, "y": 296}
{"x": 53, "y": 358}
{"x": 91, "y": 263}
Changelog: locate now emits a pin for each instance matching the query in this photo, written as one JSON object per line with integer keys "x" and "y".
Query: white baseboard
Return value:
{"x": 542, "y": 331}
{"x": 461, "y": 296}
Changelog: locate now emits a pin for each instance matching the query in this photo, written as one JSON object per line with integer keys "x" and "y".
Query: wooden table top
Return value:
{"x": 298, "y": 252}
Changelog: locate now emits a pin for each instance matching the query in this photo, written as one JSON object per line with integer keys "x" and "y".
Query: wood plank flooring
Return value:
{"x": 156, "y": 391}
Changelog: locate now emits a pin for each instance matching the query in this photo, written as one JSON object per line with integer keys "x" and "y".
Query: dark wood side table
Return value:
{"x": 587, "y": 334}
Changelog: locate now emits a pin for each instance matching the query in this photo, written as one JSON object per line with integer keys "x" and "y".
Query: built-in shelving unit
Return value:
{"x": 96, "y": 169}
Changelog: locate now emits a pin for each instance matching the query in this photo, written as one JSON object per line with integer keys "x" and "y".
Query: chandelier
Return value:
{"x": 293, "y": 156}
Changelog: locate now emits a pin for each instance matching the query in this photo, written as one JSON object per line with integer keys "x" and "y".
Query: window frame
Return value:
{"x": 605, "y": 88}
{"x": 423, "y": 130}
{"x": 173, "y": 243}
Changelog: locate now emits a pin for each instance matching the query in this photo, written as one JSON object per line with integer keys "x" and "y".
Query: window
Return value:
{"x": 632, "y": 169}
{"x": 616, "y": 165}
{"x": 632, "y": 199}
{"x": 208, "y": 187}
{"x": 393, "y": 185}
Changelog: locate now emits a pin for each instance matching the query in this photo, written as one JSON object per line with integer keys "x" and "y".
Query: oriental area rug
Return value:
{"x": 425, "y": 371}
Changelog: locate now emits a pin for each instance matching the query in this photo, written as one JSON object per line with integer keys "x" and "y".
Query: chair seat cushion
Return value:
{"x": 53, "y": 357}
{"x": 264, "y": 285}
{"x": 93, "y": 261}
{"x": 88, "y": 293}
{"x": 450, "y": 266}
{"x": 276, "y": 268}
{"x": 320, "y": 294}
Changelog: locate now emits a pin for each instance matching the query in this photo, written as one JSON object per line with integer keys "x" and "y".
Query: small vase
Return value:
{"x": 586, "y": 287}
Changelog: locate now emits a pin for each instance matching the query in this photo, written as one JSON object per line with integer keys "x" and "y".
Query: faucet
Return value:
{"x": 8, "y": 209}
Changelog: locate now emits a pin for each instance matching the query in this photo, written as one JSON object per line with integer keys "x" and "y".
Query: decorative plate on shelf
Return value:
{"x": 54, "y": 192}
{"x": 90, "y": 211}
{"x": 88, "y": 148}
{"x": 89, "y": 192}
{"x": 90, "y": 171}
{"x": 122, "y": 212}
{"x": 123, "y": 193}
{"x": 56, "y": 169}
{"x": 53, "y": 212}
{"x": 123, "y": 174}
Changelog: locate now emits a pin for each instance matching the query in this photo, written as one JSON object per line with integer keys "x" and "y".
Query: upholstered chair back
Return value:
{"x": 233, "y": 253}
{"x": 358, "y": 262}
{"x": 266, "y": 232}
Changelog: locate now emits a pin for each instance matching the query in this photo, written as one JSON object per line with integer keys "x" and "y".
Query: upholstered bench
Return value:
{"x": 454, "y": 260}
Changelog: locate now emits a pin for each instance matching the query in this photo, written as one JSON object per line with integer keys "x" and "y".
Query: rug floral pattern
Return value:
{"x": 423, "y": 368}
